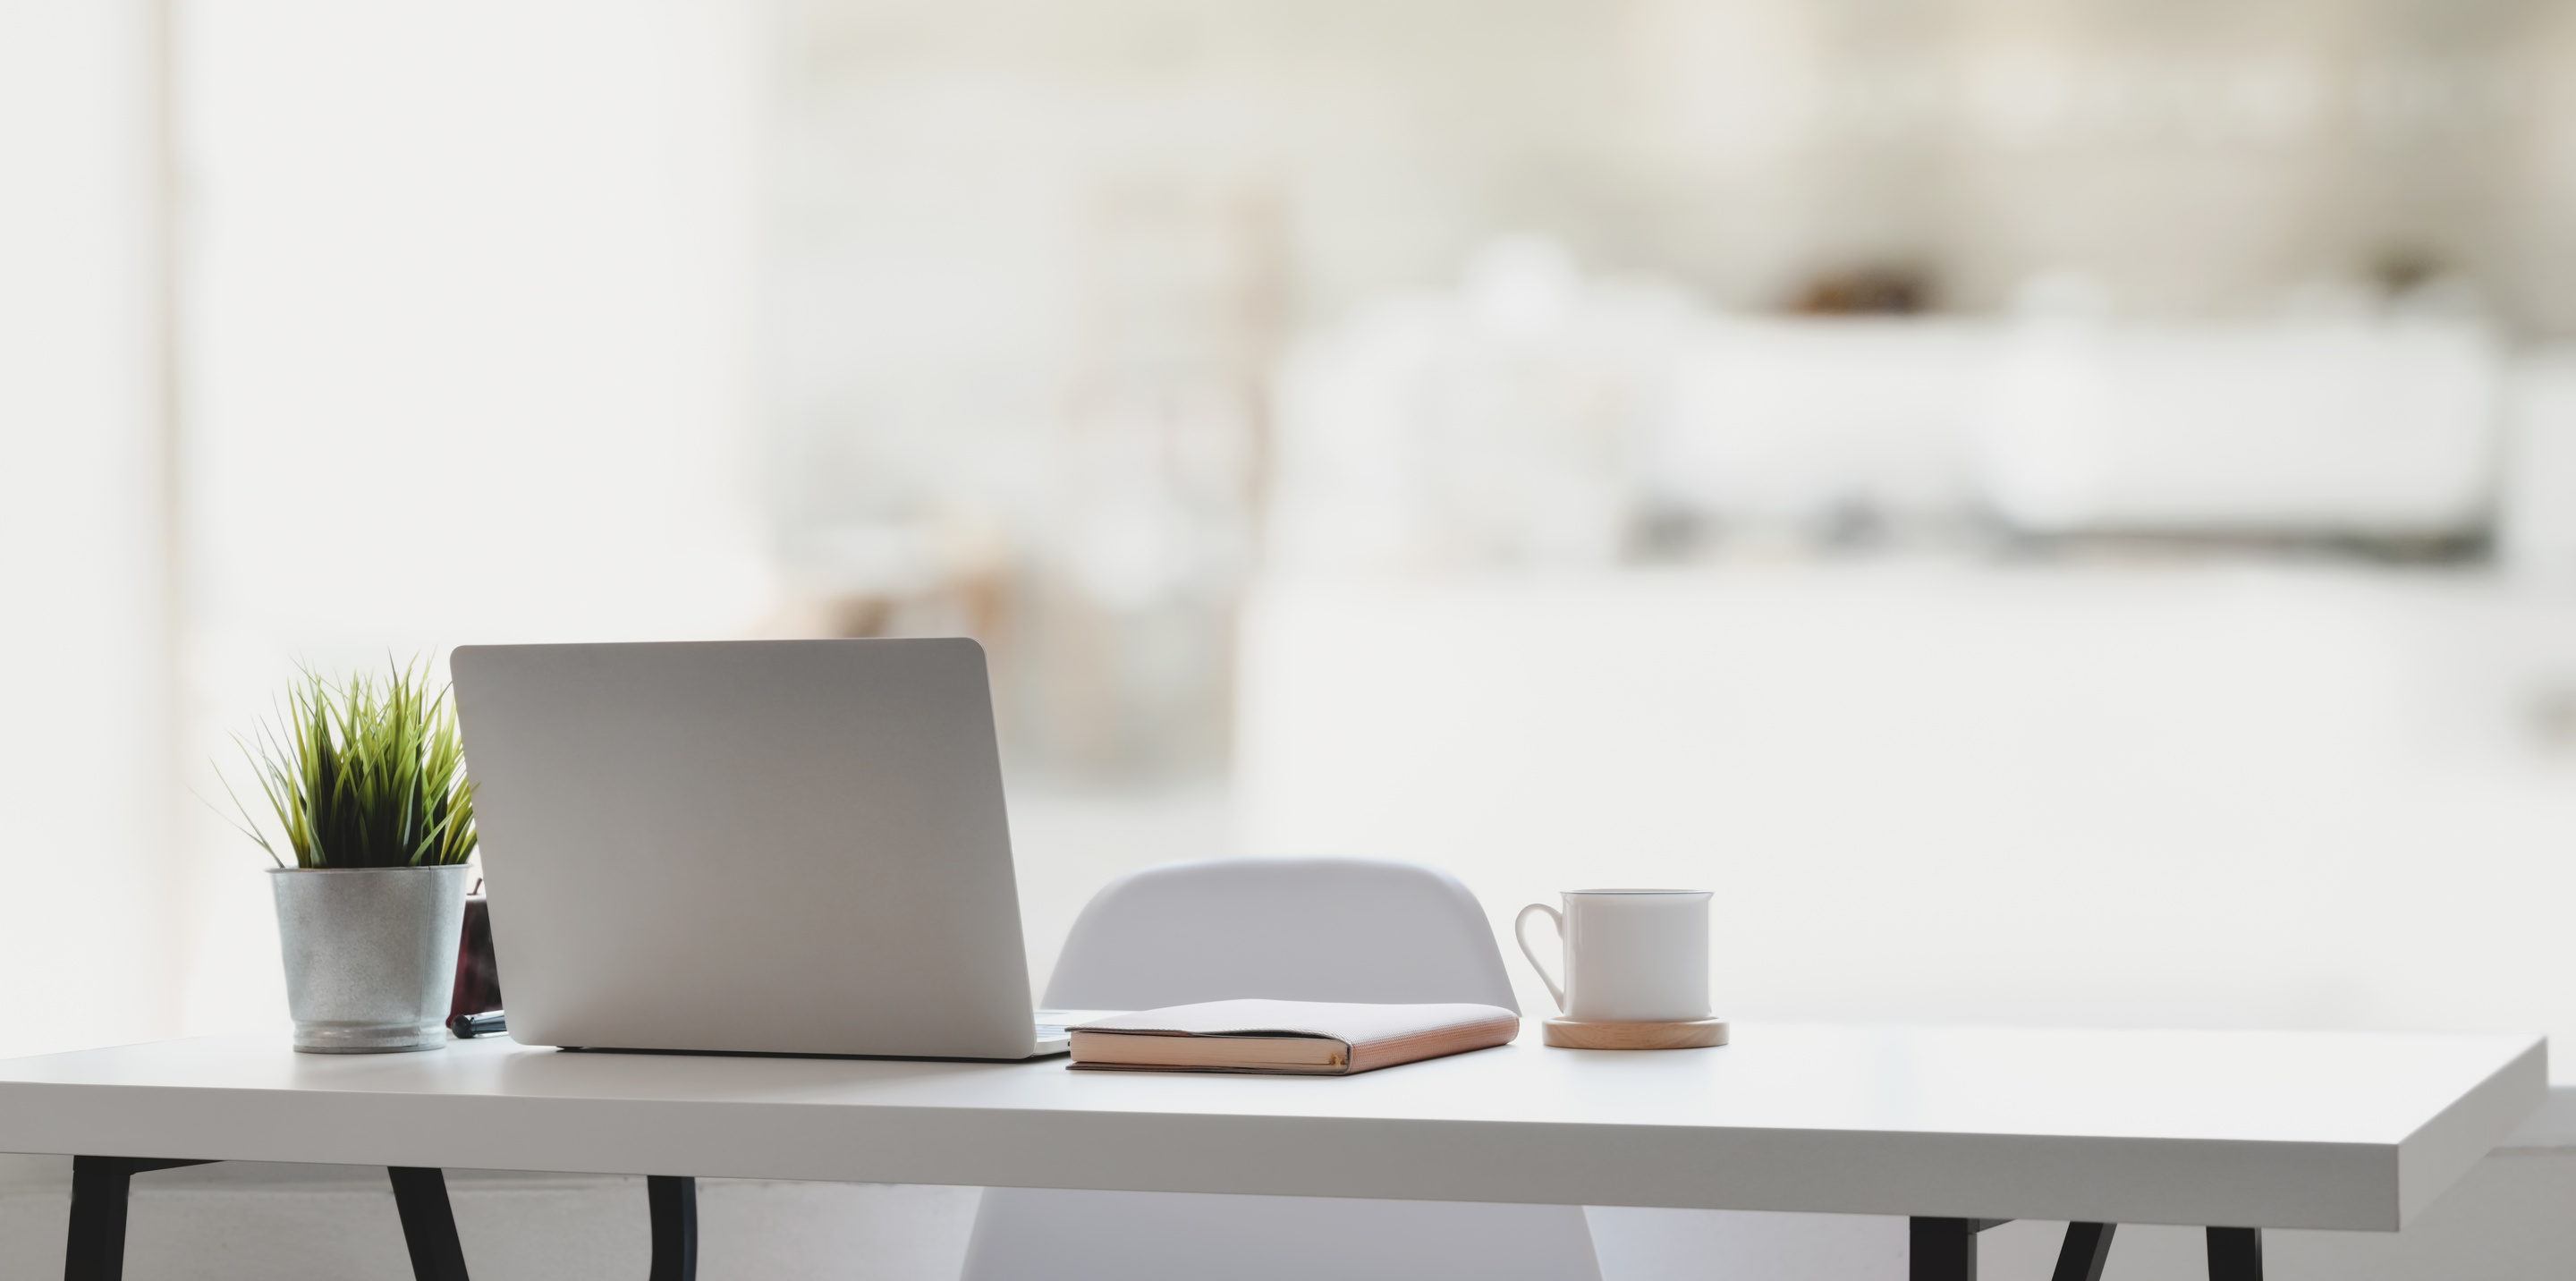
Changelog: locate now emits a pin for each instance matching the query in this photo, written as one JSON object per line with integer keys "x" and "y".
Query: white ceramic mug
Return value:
{"x": 1631, "y": 956}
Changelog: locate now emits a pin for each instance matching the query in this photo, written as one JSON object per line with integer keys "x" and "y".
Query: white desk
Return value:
{"x": 2242, "y": 1129}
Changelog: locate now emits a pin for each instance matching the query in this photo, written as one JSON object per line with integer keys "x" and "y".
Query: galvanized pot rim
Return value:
{"x": 425, "y": 867}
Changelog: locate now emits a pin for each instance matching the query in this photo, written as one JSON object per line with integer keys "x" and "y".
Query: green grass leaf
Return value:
{"x": 363, "y": 773}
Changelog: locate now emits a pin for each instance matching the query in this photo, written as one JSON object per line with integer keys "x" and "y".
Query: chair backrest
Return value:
{"x": 1299, "y": 929}
{"x": 1294, "y": 929}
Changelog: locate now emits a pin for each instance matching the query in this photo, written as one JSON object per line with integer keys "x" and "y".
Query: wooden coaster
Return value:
{"x": 1696, "y": 1034}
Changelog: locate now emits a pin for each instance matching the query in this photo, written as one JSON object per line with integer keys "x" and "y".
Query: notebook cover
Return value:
{"x": 1375, "y": 1035}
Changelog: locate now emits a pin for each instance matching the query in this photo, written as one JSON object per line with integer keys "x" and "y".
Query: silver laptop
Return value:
{"x": 766, "y": 847}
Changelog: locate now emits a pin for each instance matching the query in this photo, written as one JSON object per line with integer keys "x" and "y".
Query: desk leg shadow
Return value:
{"x": 1946, "y": 1250}
{"x": 102, "y": 1187}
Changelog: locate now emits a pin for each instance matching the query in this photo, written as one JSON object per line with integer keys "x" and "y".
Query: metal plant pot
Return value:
{"x": 370, "y": 954}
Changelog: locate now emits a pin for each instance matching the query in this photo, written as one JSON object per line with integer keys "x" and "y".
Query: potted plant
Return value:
{"x": 366, "y": 781}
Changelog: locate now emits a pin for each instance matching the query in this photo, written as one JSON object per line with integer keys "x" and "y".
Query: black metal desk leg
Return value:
{"x": 2235, "y": 1254}
{"x": 95, "y": 1248}
{"x": 1945, "y": 1249}
{"x": 675, "y": 1226}
{"x": 429, "y": 1223}
{"x": 2087, "y": 1246}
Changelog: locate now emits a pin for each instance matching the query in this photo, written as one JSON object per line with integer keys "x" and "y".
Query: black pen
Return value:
{"x": 470, "y": 1026}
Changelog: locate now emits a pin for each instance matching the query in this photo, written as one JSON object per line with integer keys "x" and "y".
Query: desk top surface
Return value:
{"x": 2266, "y": 1129}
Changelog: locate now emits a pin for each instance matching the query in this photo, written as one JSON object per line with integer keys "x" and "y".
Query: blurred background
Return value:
{"x": 2058, "y": 511}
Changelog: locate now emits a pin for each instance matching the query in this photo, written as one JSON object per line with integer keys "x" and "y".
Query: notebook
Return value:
{"x": 1286, "y": 1038}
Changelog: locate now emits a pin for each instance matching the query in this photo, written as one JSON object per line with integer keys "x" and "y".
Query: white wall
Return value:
{"x": 468, "y": 334}
{"x": 85, "y": 646}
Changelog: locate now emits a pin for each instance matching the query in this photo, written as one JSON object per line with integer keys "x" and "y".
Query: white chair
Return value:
{"x": 1307, "y": 929}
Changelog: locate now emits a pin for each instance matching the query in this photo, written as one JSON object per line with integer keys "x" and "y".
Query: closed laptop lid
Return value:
{"x": 755, "y": 846}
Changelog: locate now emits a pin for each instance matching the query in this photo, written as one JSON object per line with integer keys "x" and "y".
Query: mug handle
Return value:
{"x": 1520, "y": 935}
